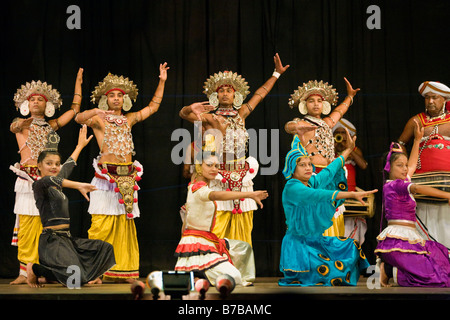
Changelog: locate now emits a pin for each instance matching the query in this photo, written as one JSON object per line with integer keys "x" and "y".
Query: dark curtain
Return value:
{"x": 323, "y": 40}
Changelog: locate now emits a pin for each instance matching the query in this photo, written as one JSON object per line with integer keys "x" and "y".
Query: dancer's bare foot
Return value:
{"x": 96, "y": 281}
{"x": 21, "y": 279}
{"x": 384, "y": 279}
{"x": 32, "y": 280}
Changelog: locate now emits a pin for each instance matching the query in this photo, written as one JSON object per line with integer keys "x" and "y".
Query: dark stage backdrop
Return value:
{"x": 323, "y": 40}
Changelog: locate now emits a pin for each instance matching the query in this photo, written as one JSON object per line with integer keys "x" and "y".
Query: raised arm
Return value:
{"x": 264, "y": 90}
{"x": 338, "y": 112}
{"x": 82, "y": 142}
{"x": 408, "y": 132}
{"x": 67, "y": 116}
{"x": 155, "y": 103}
{"x": 414, "y": 155}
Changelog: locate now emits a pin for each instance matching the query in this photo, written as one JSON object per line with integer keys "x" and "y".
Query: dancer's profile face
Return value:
{"x": 399, "y": 168}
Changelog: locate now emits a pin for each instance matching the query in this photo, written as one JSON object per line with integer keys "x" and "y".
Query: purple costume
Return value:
{"x": 416, "y": 262}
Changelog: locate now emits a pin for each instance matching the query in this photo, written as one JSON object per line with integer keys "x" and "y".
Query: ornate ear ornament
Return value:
{"x": 238, "y": 100}
{"x": 49, "y": 109}
{"x": 213, "y": 100}
{"x": 25, "y": 108}
{"x": 103, "y": 103}
{"x": 302, "y": 108}
{"x": 127, "y": 104}
{"x": 326, "y": 107}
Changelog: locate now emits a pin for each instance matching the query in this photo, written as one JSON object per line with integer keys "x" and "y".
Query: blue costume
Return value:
{"x": 307, "y": 257}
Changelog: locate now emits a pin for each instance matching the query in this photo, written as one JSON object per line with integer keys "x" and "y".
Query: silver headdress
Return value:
{"x": 114, "y": 82}
{"x": 226, "y": 78}
{"x": 51, "y": 95}
{"x": 325, "y": 90}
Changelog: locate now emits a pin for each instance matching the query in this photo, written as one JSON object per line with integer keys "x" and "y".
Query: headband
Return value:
{"x": 297, "y": 151}
{"x": 394, "y": 148}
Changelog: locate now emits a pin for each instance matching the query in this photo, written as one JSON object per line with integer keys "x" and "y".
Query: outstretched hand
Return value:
{"x": 79, "y": 78}
{"x": 201, "y": 107}
{"x": 418, "y": 131}
{"x": 301, "y": 130}
{"x": 163, "y": 71}
{"x": 258, "y": 196}
{"x": 82, "y": 139}
{"x": 350, "y": 142}
{"x": 85, "y": 188}
{"x": 278, "y": 65}
{"x": 350, "y": 91}
{"x": 359, "y": 195}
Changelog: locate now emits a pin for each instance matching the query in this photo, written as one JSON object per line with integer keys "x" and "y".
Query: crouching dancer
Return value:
{"x": 58, "y": 250}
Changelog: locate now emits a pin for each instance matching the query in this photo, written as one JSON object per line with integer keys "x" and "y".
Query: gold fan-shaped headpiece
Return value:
{"x": 52, "y": 96}
{"x": 226, "y": 78}
{"x": 112, "y": 82}
{"x": 325, "y": 90}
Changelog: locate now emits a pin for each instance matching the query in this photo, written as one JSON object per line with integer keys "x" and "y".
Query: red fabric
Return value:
{"x": 37, "y": 94}
{"x": 123, "y": 92}
{"x": 219, "y": 244}
{"x": 435, "y": 158}
{"x": 351, "y": 178}
{"x": 197, "y": 185}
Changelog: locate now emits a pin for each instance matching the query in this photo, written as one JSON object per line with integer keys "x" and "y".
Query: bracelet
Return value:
{"x": 76, "y": 103}
{"x": 262, "y": 98}
{"x": 156, "y": 102}
{"x": 76, "y": 112}
{"x": 77, "y": 94}
{"x": 276, "y": 74}
{"x": 351, "y": 98}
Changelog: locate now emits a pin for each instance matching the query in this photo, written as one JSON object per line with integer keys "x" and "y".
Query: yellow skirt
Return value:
{"x": 234, "y": 226}
{"x": 30, "y": 229}
{"x": 121, "y": 233}
{"x": 337, "y": 229}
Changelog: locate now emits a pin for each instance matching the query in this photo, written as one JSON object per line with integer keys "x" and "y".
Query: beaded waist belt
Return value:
{"x": 31, "y": 170}
{"x": 233, "y": 179}
{"x": 125, "y": 176}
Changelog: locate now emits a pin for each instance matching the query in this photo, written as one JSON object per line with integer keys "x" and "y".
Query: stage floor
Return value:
{"x": 262, "y": 289}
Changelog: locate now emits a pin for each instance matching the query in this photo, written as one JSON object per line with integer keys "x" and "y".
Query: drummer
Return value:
{"x": 433, "y": 218}
{"x": 355, "y": 227}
